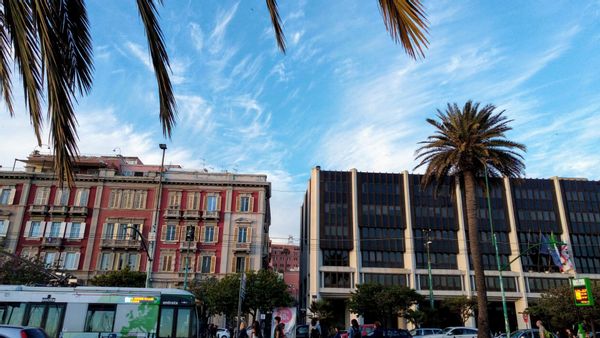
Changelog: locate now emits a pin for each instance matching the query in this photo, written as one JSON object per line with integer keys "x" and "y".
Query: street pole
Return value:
{"x": 188, "y": 238}
{"x": 495, "y": 242}
{"x": 427, "y": 244}
{"x": 152, "y": 234}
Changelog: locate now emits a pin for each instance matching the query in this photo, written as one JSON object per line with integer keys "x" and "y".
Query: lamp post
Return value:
{"x": 427, "y": 244}
{"x": 495, "y": 243}
{"x": 152, "y": 234}
{"x": 188, "y": 238}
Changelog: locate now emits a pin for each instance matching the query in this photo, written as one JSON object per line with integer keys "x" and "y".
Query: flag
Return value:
{"x": 548, "y": 247}
{"x": 565, "y": 258}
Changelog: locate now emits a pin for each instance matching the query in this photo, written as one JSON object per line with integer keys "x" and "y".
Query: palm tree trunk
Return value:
{"x": 471, "y": 204}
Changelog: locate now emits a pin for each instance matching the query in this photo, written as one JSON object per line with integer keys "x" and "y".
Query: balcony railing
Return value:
{"x": 78, "y": 210}
{"x": 172, "y": 213}
{"x": 52, "y": 242}
{"x": 191, "y": 214}
{"x": 59, "y": 209}
{"x": 210, "y": 215}
{"x": 184, "y": 245}
{"x": 38, "y": 209}
{"x": 242, "y": 247}
{"x": 121, "y": 243}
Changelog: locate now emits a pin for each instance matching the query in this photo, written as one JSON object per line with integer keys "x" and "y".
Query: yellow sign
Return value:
{"x": 137, "y": 300}
{"x": 583, "y": 292}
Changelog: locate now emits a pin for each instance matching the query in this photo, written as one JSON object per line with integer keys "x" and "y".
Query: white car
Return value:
{"x": 457, "y": 332}
{"x": 422, "y": 332}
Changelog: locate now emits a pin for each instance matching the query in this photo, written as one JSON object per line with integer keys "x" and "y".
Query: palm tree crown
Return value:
{"x": 466, "y": 140}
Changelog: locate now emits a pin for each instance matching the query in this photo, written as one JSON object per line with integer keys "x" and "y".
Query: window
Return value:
{"x": 81, "y": 197}
{"x": 132, "y": 261}
{"x": 100, "y": 318}
{"x": 174, "y": 199}
{"x": 61, "y": 197}
{"x": 186, "y": 263}
{"x": 209, "y": 234}
{"x": 336, "y": 279}
{"x": 122, "y": 231}
{"x": 71, "y": 261}
{"x": 206, "y": 264}
{"x": 211, "y": 203}
{"x": 109, "y": 229}
{"x": 240, "y": 264}
{"x": 139, "y": 199}
{"x": 74, "y": 231}
{"x": 114, "y": 200}
{"x": 7, "y": 195}
{"x": 3, "y": 227}
{"x": 35, "y": 229}
{"x": 12, "y": 313}
{"x": 242, "y": 235}
{"x": 106, "y": 261}
{"x": 193, "y": 202}
{"x": 127, "y": 199}
{"x": 49, "y": 259}
{"x": 54, "y": 231}
{"x": 135, "y": 234}
{"x": 167, "y": 262}
{"x": 170, "y": 232}
{"x": 166, "y": 322}
{"x": 41, "y": 196}
{"x": 47, "y": 317}
{"x": 245, "y": 204}
{"x": 335, "y": 257}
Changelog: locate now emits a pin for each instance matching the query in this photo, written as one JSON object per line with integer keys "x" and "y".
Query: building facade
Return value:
{"x": 285, "y": 259}
{"x": 374, "y": 227}
{"x": 211, "y": 223}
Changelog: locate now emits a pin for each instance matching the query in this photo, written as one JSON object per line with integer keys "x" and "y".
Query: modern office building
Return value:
{"x": 213, "y": 223}
{"x": 359, "y": 227}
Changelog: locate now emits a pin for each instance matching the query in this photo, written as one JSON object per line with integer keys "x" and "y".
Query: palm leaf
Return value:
{"x": 5, "y": 74}
{"x": 405, "y": 21}
{"x": 276, "y": 21}
{"x": 160, "y": 61}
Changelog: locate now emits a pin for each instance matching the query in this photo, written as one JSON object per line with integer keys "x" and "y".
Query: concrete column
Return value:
{"x": 15, "y": 230}
{"x": 562, "y": 211}
{"x": 89, "y": 250}
{"x": 410, "y": 262}
{"x": 462, "y": 259}
{"x": 355, "y": 254}
{"x": 522, "y": 303}
{"x": 314, "y": 250}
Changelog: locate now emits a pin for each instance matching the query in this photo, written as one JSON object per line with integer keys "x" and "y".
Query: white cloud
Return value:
{"x": 217, "y": 36}
{"x": 197, "y": 36}
{"x": 140, "y": 53}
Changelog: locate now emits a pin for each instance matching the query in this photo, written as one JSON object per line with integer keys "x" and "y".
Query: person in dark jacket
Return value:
{"x": 378, "y": 332}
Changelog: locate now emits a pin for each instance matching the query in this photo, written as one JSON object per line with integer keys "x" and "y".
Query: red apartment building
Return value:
{"x": 285, "y": 259}
{"x": 213, "y": 223}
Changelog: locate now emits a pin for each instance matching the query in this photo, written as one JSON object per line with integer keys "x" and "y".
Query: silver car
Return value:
{"x": 421, "y": 332}
{"x": 457, "y": 332}
{"x": 12, "y": 331}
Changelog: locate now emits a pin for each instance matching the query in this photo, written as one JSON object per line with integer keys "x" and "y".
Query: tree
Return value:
{"x": 265, "y": 291}
{"x": 121, "y": 278}
{"x": 465, "y": 142}
{"x": 463, "y": 306}
{"x": 23, "y": 271}
{"x": 385, "y": 302}
{"x": 557, "y": 308}
{"x": 50, "y": 43}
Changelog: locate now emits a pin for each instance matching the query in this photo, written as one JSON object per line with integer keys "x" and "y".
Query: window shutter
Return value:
{"x": 46, "y": 229}
{"x": 76, "y": 263}
{"x": 204, "y": 208}
{"x": 251, "y": 204}
{"x": 144, "y": 198}
{"x": 181, "y": 233}
{"x": 5, "y": 230}
{"x": 27, "y": 229}
{"x": 137, "y": 262}
{"x": 235, "y": 234}
{"x": 216, "y": 236}
{"x": 11, "y": 196}
{"x": 163, "y": 233}
{"x": 213, "y": 263}
{"x": 196, "y": 233}
{"x": 233, "y": 260}
{"x": 81, "y": 231}
{"x": 247, "y": 263}
{"x": 111, "y": 261}
{"x": 219, "y": 202}
{"x": 202, "y": 234}
{"x": 61, "y": 234}
{"x": 61, "y": 260}
{"x": 249, "y": 235}
{"x": 67, "y": 233}
{"x": 238, "y": 203}
{"x": 161, "y": 263}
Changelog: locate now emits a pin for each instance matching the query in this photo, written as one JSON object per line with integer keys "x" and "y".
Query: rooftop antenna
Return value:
{"x": 290, "y": 239}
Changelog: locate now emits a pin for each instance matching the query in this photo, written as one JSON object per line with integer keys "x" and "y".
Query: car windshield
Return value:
{"x": 447, "y": 329}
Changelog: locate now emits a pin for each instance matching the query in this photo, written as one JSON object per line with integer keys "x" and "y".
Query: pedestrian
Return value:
{"x": 279, "y": 328}
{"x": 378, "y": 332}
{"x": 543, "y": 332}
{"x": 337, "y": 333}
{"x": 315, "y": 328}
{"x": 255, "y": 330}
{"x": 570, "y": 333}
{"x": 242, "y": 331}
{"x": 354, "y": 330}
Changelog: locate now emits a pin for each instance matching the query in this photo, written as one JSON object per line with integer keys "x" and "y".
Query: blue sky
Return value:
{"x": 344, "y": 96}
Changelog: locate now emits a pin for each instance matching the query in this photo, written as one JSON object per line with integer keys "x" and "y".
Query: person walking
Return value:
{"x": 314, "y": 328}
{"x": 242, "y": 331}
{"x": 354, "y": 330}
{"x": 255, "y": 331}
{"x": 279, "y": 328}
{"x": 543, "y": 332}
{"x": 378, "y": 332}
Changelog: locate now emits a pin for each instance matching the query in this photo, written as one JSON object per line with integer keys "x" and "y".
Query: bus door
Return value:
{"x": 177, "y": 317}
{"x": 48, "y": 316}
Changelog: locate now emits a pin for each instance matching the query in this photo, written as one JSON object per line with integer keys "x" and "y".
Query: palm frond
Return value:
{"x": 19, "y": 25}
{"x": 406, "y": 22}
{"x": 5, "y": 73}
{"x": 160, "y": 61}
{"x": 276, "y": 21}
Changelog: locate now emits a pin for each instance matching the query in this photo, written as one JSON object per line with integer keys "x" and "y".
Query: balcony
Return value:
{"x": 210, "y": 215}
{"x": 241, "y": 247}
{"x": 78, "y": 211}
{"x": 38, "y": 209}
{"x": 121, "y": 243}
{"x": 184, "y": 245}
{"x": 59, "y": 209}
{"x": 172, "y": 213}
{"x": 191, "y": 214}
{"x": 52, "y": 242}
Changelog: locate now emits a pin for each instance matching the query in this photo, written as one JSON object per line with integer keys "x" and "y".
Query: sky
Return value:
{"x": 343, "y": 96}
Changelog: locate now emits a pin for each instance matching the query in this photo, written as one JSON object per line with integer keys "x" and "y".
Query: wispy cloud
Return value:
{"x": 197, "y": 36}
{"x": 217, "y": 36}
{"x": 139, "y": 53}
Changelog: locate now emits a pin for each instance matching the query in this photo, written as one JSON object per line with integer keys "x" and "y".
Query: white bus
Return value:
{"x": 100, "y": 312}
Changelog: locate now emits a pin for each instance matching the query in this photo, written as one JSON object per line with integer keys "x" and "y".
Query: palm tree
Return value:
{"x": 50, "y": 44}
{"x": 466, "y": 141}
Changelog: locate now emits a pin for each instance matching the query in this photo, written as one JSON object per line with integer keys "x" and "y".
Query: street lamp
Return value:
{"x": 188, "y": 237}
{"x": 495, "y": 242}
{"x": 427, "y": 244}
{"x": 152, "y": 234}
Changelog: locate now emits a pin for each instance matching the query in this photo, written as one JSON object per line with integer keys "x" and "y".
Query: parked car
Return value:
{"x": 528, "y": 333}
{"x": 10, "y": 331}
{"x": 397, "y": 333}
{"x": 302, "y": 331}
{"x": 222, "y": 333}
{"x": 456, "y": 332}
{"x": 420, "y": 332}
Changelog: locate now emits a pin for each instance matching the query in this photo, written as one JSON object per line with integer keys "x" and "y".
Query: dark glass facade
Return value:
{"x": 385, "y": 279}
{"x": 381, "y": 220}
{"x": 435, "y": 211}
{"x": 536, "y": 213}
{"x": 336, "y": 215}
{"x": 582, "y": 206}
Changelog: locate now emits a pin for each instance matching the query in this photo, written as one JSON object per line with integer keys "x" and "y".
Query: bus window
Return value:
{"x": 166, "y": 322}
{"x": 12, "y": 313}
{"x": 54, "y": 319}
{"x": 36, "y": 314}
{"x": 183, "y": 322}
{"x": 100, "y": 318}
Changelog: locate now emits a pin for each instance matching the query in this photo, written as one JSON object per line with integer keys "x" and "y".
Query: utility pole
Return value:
{"x": 427, "y": 244}
{"x": 188, "y": 237}
{"x": 152, "y": 234}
